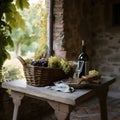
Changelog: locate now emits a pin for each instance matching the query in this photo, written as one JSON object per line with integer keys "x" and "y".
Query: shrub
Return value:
{"x": 11, "y": 71}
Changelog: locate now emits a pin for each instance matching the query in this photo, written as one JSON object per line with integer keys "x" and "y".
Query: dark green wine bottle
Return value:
{"x": 83, "y": 59}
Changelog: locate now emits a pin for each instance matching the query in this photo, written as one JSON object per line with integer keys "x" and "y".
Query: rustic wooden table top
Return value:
{"x": 45, "y": 93}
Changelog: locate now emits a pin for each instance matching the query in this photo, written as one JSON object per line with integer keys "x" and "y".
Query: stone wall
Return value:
{"x": 58, "y": 27}
{"x": 106, "y": 42}
{"x": 89, "y": 20}
{"x": 77, "y": 17}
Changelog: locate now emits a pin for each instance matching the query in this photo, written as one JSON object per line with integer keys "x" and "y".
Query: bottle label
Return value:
{"x": 80, "y": 65}
{"x": 83, "y": 68}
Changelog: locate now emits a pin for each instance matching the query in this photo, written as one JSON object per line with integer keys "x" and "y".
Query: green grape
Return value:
{"x": 28, "y": 60}
{"x": 54, "y": 62}
{"x": 65, "y": 66}
{"x": 93, "y": 72}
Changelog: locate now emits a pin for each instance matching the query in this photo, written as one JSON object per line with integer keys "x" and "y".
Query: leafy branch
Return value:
{"x": 9, "y": 19}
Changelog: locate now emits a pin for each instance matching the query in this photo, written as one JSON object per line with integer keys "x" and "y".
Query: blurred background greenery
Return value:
{"x": 29, "y": 41}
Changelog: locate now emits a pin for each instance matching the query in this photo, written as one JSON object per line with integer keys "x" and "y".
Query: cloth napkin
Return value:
{"x": 62, "y": 87}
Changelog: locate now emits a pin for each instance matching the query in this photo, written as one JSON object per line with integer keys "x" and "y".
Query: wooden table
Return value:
{"x": 62, "y": 103}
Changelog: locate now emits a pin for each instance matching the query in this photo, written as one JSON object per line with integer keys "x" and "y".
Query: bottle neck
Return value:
{"x": 83, "y": 55}
{"x": 83, "y": 46}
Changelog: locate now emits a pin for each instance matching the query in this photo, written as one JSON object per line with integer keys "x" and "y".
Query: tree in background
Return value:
{"x": 42, "y": 46}
{"x": 33, "y": 39}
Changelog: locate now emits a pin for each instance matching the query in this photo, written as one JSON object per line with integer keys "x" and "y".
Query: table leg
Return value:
{"x": 102, "y": 95}
{"x": 62, "y": 111}
{"x": 17, "y": 97}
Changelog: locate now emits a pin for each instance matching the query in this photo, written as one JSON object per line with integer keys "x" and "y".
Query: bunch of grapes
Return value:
{"x": 54, "y": 62}
{"x": 28, "y": 60}
{"x": 40, "y": 63}
{"x": 94, "y": 72}
{"x": 65, "y": 66}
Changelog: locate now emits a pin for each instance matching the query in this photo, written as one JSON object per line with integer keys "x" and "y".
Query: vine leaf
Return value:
{"x": 10, "y": 19}
{"x": 10, "y": 42}
{"x": 14, "y": 18}
{"x": 21, "y": 4}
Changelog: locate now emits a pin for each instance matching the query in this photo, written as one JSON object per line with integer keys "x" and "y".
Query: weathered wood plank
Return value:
{"x": 44, "y": 93}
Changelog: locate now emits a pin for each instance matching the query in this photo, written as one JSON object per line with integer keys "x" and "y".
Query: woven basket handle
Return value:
{"x": 22, "y": 61}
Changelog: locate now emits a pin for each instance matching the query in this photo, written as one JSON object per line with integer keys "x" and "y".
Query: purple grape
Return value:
{"x": 41, "y": 63}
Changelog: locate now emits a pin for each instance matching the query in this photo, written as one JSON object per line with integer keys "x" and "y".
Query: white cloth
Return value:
{"x": 61, "y": 86}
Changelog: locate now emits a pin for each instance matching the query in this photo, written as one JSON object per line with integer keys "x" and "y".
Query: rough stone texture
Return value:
{"x": 90, "y": 110}
{"x": 89, "y": 20}
{"x": 76, "y": 27}
{"x": 58, "y": 26}
{"x": 106, "y": 50}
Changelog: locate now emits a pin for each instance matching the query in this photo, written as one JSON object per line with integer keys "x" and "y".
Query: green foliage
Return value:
{"x": 9, "y": 20}
{"x": 12, "y": 70}
{"x": 21, "y": 4}
{"x": 43, "y": 47}
{"x": 34, "y": 39}
{"x": 5, "y": 40}
{"x": 14, "y": 18}
{"x": 11, "y": 73}
{"x": 42, "y": 50}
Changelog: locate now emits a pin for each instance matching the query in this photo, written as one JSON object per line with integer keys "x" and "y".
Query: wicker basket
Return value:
{"x": 42, "y": 76}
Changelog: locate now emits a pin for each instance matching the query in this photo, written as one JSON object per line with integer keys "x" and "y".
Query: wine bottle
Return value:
{"x": 83, "y": 66}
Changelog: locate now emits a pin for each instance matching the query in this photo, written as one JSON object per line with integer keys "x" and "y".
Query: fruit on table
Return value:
{"x": 28, "y": 60}
{"x": 65, "y": 66}
{"x": 93, "y": 76}
{"x": 56, "y": 62}
{"x": 52, "y": 62}
{"x": 40, "y": 62}
{"x": 94, "y": 72}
